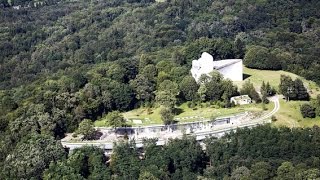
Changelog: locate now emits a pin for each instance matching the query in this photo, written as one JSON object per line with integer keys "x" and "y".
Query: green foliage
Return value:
{"x": 189, "y": 87}
{"x": 167, "y": 93}
{"x": 166, "y": 115}
{"x": 202, "y": 92}
{"x": 25, "y": 3}
{"x": 189, "y": 160}
{"x": 63, "y": 62}
{"x": 300, "y": 91}
{"x": 86, "y": 128}
{"x": 83, "y": 163}
{"x": 258, "y": 153}
{"x": 219, "y": 48}
{"x": 264, "y": 91}
{"x": 215, "y": 88}
{"x": 60, "y": 170}
{"x": 169, "y": 86}
{"x": 147, "y": 176}
{"x": 240, "y": 173}
{"x": 164, "y": 66}
{"x": 285, "y": 171}
{"x": 178, "y": 58}
{"x": 271, "y": 148}
{"x": 260, "y": 58}
{"x": 307, "y": 111}
{"x": 155, "y": 161}
{"x": 316, "y": 104}
{"x": 143, "y": 88}
{"x": 261, "y": 171}
{"x": 248, "y": 89}
{"x": 150, "y": 72}
{"x": 178, "y": 73}
{"x": 89, "y": 162}
{"x": 239, "y": 48}
{"x": 124, "y": 161}
{"x": 122, "y": 96}
{"x": 115, "y": 119}
{"x": 293, "y": 90}
{"x": 32, "y": 156}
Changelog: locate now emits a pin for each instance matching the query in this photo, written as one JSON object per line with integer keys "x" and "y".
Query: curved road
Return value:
{"x": 275, "y": 100}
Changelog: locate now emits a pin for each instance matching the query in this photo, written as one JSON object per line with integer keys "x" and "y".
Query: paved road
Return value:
{"x": 218, "y": 132}
{"x": 275, "y": 100}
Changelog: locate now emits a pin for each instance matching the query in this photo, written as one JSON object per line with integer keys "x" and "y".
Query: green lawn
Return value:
{"x": 273, "y": 77}
{"x": 289, "y": 113}
{"x": 185, "y": 112}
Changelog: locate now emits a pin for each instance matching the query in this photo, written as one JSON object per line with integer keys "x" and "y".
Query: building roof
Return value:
{"x": 224, "y": 63}
{"x": 206, "y": 64}
{"x": 242, "y": 97}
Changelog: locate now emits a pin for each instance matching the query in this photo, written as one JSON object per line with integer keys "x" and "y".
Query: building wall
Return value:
{"x": 233, "y": 72}
{"x": 240, "y": 101}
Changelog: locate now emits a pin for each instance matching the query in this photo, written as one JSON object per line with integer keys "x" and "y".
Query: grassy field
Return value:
{"x": 273, "y": 77}
{"x": 206, "y": 111}
{"x": 289, "y": 113}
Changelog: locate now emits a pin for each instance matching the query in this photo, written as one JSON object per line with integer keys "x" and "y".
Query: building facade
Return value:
{"x": 241, "y": 100}
{"x": 230, "y": 68}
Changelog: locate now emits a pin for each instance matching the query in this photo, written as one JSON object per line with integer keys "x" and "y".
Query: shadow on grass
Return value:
{"x": 245, "y": 76}
{"x": 177, "y": 111}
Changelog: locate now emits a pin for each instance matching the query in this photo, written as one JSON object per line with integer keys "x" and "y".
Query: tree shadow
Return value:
{"x": 245, "y": 76}
{"x": 128, "y": 130}
{"x": 174, "y": 122}
{"x": 96, "y": 135}
{"x": 177, "y": 111}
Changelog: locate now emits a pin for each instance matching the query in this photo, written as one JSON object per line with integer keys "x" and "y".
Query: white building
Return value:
{"x": 241, "y": 100}
{"x": 229, "y": 68}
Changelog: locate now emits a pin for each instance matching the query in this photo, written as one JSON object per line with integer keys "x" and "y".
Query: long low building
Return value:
{"x": 230, "y": 68}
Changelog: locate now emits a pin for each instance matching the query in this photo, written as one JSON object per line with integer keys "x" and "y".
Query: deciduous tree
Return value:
{"x": 189, "y": 87}
{"x": 32, "y": 156}
{"x": 307, "y": 111}
{"x": 115, "y": 119}
{"x": 86, "y": 128}
{"x": 166, "y": 115}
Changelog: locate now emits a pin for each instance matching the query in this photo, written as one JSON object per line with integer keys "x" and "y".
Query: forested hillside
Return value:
{"x": 27, "y": 3}
{"x": 64, "y": 61}
{"x": 260, "y": 153}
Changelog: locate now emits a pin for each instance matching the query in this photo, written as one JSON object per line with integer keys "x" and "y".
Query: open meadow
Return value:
{"x": 289, "y": 112}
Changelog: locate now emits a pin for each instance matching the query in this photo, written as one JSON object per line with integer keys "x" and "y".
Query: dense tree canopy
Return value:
{"x": 65, "y": 61}
{"x": 260, "y": 58}
{"x": 259, "y": 153}
{"x": 31, "y": 156}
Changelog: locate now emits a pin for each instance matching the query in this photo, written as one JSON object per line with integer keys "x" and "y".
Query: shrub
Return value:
{"x": 307, "y": 111}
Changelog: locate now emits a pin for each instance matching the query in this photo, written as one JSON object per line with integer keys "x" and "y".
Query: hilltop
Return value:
{"x": 289, "y": 113}
{"x": 67, "y": 64}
